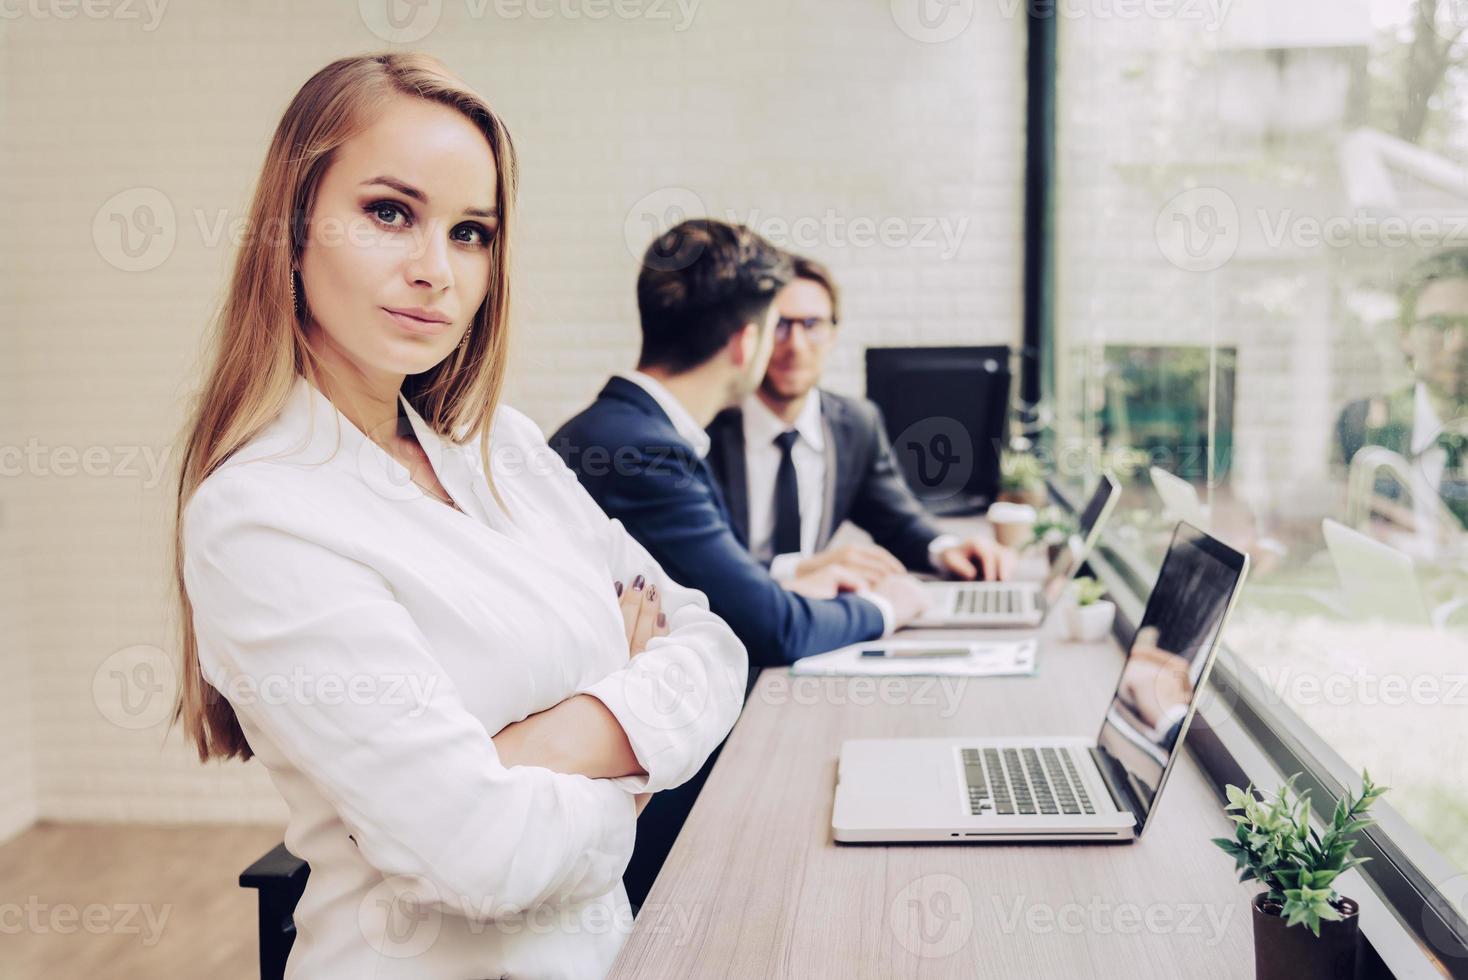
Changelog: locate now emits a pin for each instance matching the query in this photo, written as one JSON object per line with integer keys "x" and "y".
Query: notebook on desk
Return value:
{"x": 923, "y": 658}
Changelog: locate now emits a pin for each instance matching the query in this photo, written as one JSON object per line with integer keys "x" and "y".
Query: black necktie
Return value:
{"x": 787, "y": 498}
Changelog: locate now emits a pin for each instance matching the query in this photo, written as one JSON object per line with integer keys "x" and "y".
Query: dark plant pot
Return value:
{"x": 1284, "y": 952}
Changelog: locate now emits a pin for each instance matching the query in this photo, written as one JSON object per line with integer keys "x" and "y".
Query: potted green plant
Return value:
{"x": 1022, "y": 479}
{"x": 1092, "y": 615}
{"x": 1052, "y": 531}
{"x": 1274, "y": 844}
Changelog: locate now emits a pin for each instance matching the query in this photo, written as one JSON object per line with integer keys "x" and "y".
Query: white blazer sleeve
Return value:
{"x": 312, "y": 648}
{"x": 681, "y": 695}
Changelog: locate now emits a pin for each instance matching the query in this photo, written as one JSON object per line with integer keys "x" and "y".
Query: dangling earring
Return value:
{"x": 462, "y": 341}
{"x": 295, "y": 300}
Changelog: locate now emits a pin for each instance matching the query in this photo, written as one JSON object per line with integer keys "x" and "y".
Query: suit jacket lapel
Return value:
{"x": 834, "y": 458}
{"x": 843, "y": 462}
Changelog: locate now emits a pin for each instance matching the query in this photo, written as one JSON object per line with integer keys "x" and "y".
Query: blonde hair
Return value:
{"x": 259, "y": 343}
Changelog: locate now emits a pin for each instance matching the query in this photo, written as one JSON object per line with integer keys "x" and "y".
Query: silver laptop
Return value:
{"x": 1062, "y": 788}
{"x": 1379, "y": 581}
{"x": 1179, "y": 498}
{"x": 998, "y": 604}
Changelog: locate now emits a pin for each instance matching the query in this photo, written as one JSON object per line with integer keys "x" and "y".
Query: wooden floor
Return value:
{"x": 128, "y": 901}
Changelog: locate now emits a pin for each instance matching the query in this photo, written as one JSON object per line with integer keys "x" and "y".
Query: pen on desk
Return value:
{"x": 917, "y": 652}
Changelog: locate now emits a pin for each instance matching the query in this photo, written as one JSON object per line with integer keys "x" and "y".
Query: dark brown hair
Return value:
{"x": 701, "y": 282}
{"x": 816, "y": 272}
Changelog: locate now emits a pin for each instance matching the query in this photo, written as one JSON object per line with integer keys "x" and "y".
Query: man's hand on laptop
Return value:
{"x": 906, "y": 594}
{"x": 979, "y": 557}
{"x": 870, "y": 561}
{"x": 828, "y": 580}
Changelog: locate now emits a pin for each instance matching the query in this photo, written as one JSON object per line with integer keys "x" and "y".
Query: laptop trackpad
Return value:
{"x": 918, "y": 779}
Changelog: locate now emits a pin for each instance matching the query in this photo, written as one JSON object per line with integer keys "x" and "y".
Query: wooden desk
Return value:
{"x": 756, "y": 887}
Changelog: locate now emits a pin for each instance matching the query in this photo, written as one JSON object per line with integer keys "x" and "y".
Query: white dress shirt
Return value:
{"x": 1430, "y": 463}
{"x": 1426, "y": 428}
{"x": 762, "y": 467}
{"x": 371, "y": 640}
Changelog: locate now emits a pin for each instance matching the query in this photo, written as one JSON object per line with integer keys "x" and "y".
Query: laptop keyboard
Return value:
{"x": 1010, "y": 781}
{"x": 991, "y": 601}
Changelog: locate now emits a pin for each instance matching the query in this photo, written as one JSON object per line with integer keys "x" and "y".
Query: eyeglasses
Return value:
{"x": 1440, "y": 331}
{"x": 818, "y": 329}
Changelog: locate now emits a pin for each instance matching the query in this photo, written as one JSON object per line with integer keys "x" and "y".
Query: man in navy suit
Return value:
{"x": 705, "y": 298}
{"x": 796, "y": 461}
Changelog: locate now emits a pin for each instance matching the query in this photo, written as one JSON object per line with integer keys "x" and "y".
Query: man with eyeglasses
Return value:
{"x": 1425, "y": 422}
{"x": 796, "y": 461}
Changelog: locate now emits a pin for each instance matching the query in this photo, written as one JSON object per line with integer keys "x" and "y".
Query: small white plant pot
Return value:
{"x": 1090, "y": 624}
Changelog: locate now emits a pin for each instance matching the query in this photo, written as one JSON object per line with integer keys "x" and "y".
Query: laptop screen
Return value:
{"x": 1079, "y": 545}
{"x": 1168, "y": 662}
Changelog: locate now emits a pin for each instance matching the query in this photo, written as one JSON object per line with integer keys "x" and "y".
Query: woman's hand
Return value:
{"x": 642, "y": 613}
{"x": 580, "y": 735}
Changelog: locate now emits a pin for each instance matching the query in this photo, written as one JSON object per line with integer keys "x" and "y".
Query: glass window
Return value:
{"x": 1261, "y": 324}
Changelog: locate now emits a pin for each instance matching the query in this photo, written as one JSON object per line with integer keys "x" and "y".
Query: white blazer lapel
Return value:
{"x": 449, "y": 464}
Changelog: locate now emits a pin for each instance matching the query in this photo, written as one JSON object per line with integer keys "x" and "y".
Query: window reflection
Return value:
{"x": 1262, "y": 297}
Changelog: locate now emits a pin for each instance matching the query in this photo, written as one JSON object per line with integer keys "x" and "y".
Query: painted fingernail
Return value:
{"x": 639, "y": 582}
{"x": 662, "y": 621}
{"x": 619, "y": 590}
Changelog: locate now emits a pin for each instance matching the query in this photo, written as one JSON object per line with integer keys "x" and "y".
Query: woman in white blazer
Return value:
{"x": 463, "y": 678}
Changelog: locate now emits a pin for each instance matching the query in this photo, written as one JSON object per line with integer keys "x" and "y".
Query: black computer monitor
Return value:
{"x": 947, "y": 410}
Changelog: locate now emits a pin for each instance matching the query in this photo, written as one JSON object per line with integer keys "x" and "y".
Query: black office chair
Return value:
{"x": 280, "y": 877}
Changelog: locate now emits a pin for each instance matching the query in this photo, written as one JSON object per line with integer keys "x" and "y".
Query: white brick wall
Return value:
{"x": 17, "y": 751}
{"x": 761, "y": 108}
